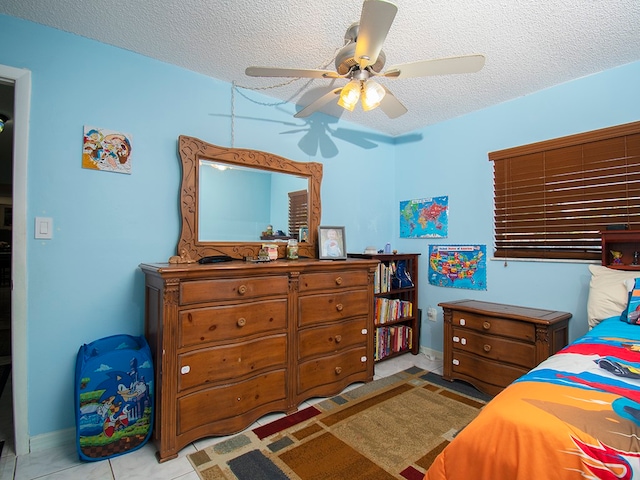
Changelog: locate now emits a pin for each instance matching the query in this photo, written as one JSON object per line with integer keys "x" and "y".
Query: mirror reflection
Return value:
{"x": 238, "y": 203}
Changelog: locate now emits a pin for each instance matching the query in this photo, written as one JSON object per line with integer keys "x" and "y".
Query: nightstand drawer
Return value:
{"x": 494, "y": 348}
{"x": 230, "y": 322}
{"x": 495, "y": 326}
{"x": 484, "y": 369}
{"x": 332, "y": 338}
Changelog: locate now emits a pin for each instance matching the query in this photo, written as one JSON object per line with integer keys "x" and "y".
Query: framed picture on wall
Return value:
{"x": 332, "y": 243}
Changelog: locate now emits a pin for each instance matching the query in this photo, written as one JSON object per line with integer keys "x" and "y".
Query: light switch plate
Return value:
{"x": 44, "y": 228}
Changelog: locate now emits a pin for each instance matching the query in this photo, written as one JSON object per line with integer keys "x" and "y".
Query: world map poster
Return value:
{"x": 458, "y": 266}
{"x": 428, "y": 217}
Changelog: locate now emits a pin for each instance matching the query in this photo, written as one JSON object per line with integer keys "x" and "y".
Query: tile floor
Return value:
{"x": 63, "y": 463}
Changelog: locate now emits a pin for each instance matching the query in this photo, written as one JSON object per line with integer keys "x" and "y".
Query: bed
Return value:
{"x": 574, "y": 416}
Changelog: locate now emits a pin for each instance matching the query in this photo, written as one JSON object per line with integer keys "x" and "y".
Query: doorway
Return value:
{"x": 17, "y": 81}
{"x": 6, "y": 201}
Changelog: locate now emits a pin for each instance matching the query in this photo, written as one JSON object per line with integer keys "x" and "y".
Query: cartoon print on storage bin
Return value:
{"x": 114, "y": 398}
{"x": 124, "y": 399}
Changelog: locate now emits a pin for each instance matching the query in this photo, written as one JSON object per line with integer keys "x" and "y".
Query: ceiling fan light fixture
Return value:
{"x": 362, "y": 58}
{"x": 350, "y": 95}
{"x": 372, "y": 95}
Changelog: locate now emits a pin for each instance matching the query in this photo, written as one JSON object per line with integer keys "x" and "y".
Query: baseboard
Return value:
{"x": 431, "y": 354}
{"x": 49, "y": 440}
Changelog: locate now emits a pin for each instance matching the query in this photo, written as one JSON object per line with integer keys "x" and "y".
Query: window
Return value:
{"x": 298, "y": 211}
{"x": 552, "y": 199}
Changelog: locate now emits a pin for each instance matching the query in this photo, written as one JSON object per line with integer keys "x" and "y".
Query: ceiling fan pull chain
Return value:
{"x": 233, "y": 113}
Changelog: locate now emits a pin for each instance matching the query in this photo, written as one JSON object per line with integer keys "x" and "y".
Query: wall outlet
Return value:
{"x": 432, "y": 314}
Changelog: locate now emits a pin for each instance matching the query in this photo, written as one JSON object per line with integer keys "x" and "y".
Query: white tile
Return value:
{"x": 86, "y": 471}
{"x": 188, "y": 476}
{"x": 427, "y": 363}
{"x": 7, "y": 467}
{"x": 45, "y": 462}
{"x": 142, "y": 465}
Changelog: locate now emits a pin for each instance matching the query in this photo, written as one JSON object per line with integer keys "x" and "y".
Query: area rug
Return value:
{"x": 391, "y": 428}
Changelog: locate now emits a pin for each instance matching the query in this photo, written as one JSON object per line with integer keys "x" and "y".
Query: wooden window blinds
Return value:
{"x": 298, "y": 211}
{"x": 552, "y": 199}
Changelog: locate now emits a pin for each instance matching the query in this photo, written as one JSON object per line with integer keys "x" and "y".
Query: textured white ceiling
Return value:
{"x": 529, "y": 44}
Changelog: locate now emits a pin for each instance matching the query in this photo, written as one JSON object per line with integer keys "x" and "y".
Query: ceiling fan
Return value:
{"x": 362, "y": 58}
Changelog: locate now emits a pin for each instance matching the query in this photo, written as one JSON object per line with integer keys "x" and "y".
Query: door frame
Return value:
{"x": 21, "y": 79}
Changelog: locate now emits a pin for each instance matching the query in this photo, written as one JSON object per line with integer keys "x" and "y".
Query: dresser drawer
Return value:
{"x": 197, "y": 291}
{"x": 211, "y": 365}
{"x": 321, "y": 281}
{"x": 525, "y": 331}
{"x": 229, "y": 400}
{"x": 484, "y": 369}
{"x": 229, "y": 322}
{"x": 495, "y": 348}
{"x": 332, "y": 338}
{"x": 331, "y": 307}
{"x": 331, "y": 369}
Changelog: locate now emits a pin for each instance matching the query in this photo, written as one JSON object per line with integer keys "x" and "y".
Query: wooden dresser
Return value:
{"x": 234, "y": 341}
{"x": 490, "y": 345}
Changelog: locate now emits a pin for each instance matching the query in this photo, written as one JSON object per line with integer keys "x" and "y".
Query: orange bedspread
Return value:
{"x": 575, "y": 416}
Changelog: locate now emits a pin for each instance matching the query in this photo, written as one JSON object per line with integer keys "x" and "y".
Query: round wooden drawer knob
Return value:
{"x": 338, "y": 370}
{"x": 339, "y": 281}
{"x": 486, "y": 325}
{"x": 487, "y": 348}
{"x": 242, "y": 289}
{"x": 241, "y": 322}
{"x": 338, "y": 338}
{"x": 339, "y": 307}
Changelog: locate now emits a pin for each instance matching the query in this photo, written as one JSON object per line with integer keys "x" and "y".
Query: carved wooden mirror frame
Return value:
{"x": 191, "y": 151}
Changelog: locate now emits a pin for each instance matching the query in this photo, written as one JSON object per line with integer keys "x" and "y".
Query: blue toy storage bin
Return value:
{"x": 113, "y": 396}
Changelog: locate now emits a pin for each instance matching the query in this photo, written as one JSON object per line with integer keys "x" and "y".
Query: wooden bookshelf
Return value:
{"x": 396, "y": 313}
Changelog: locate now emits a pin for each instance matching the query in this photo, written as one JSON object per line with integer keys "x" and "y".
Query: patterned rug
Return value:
{"x": 391, "y": 428}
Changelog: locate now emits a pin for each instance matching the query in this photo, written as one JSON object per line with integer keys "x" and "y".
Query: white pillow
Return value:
{"x": 608, "y": 294}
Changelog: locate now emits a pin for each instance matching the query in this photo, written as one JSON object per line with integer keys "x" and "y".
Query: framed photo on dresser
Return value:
{"x": 332, "y": 244}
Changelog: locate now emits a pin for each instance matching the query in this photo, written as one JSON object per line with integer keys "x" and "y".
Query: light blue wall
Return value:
{"x": 453, "y": 160}
{"x": 244, "y": 217}
{"x": 85, "y": 284}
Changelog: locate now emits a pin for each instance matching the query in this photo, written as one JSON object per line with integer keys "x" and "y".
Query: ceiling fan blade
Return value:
{"x": 319, "y": 103}
{"x": 375, "y": 21}
{"x": 391, "y": 106}
{"x": 441, "y": 66}
{"x": 289, "y": 72}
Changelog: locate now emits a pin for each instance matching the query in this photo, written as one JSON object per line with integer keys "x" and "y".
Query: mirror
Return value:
{"x": 259, "y": 198}
{"x": 221, "y": 185}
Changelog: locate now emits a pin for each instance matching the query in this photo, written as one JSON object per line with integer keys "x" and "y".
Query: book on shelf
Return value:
{"x": 393, "y": 339}
{"x": 388, "y": 310}
{"x": 391, "y": 276}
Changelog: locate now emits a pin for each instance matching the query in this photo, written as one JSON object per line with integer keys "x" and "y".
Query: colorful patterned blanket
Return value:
{"x": 575, "y": 416}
